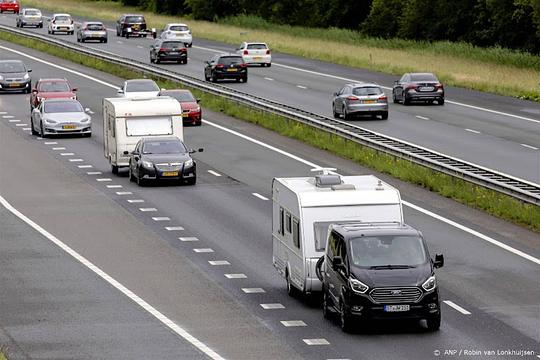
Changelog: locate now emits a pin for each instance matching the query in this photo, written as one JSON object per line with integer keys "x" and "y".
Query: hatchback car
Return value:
{"x": 168, "y": 50}
{"x": 92, "y": 31}
{"x": 360, "y": 99}
{"x": 178, "y": 32}
{"x": 191, "y": 111}
{"x": 61, "y": 116}
{"x": 418, "y": 87}
{"x": 61, "y": 23}
{"x": 162, "y": 158}
{"x": 139, "y": 88}
{"x": 52, "y": 89}
{"x": 30, "y": 17}
{"x": 379, "y": 271}
{"x": 135, "y": 22}
{"x": 10, "y": 5}
{"x": 225, "y": 67}
{"x": 15, "y": 76}
{"x": 255, "y": 53}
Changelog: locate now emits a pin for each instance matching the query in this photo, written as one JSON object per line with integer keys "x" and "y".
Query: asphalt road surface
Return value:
{"x": 88, "y": 208}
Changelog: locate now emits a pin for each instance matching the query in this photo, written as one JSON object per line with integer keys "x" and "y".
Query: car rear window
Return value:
{"x": 257, "y": 47}
{"x": 94, "y": 27}
{"x": 423, "y": 77}
{"x": 54, "y": 87}
{"x": 10, "y": 1}
{"x": 365, "y": 91}
{"x": 136, "y": 86}
{"x": 32, "y": 12}
{"x": 230, "y": 60}
{"x": 12, "y": 67}
{"x": 135, "y": 19}
{"x": 179, "y": 28}
{"x": 62, "y": 18}
{"x": 172, "y": 44}
{"x": 181, "y": 96}
{"x": 62, "y": 107}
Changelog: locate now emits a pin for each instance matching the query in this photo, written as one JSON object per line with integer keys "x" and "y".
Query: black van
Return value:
{"x": 379, "y": 271}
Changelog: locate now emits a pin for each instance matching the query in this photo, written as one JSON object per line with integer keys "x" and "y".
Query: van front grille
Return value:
{"x": 395, "y": 295}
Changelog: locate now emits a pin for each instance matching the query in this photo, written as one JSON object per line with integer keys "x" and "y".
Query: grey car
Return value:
{"x": 91, "y": 31}
{"x": 14, "y": 76}
{"x": 360, "y": 100}
{"x": 30, "y": 17}
{"x": 61, "y": 116}
{"x": 423, "y": 87}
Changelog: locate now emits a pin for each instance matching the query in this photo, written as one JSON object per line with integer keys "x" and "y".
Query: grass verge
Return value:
{"x": 494, "y": 70}
{"x": 492, "y": 202}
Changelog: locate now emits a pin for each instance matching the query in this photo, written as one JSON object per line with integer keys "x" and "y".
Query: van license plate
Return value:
{"x": 396, "y": 308}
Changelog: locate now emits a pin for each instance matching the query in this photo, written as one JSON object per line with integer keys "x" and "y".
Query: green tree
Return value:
{"x": 383, "y": 19}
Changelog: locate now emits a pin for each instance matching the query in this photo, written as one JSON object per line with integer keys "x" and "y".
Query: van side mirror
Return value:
{"x": 200, "y": 150}
{"x": 337, "y": 262}
{"x": 335, "y": 94}
{"x": 439, "y": 261}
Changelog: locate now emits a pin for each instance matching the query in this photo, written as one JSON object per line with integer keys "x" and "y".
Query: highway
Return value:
{"x": 159, "y": 241}
{"x": 497, "y": 132}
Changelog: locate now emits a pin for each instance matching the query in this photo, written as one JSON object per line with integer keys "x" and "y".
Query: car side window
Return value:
{"x": 281, "y": 221}
{"x": 296, "y": 232}
{"x": 288, "y": 224}
{"x": 403, "y": 78}
{"x": 343, "y": 252}
{"x": 341, "y": 92}
{"x": 331, "y": 246}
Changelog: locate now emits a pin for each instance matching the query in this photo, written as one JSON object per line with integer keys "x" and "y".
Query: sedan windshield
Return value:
{"x": 365, "y": 91}
{"x": 134, "y": 19}
{"x": 62, "y": 107}
{"x": 54, "y": 87}
{"x": 12, "y": 67}
{"x": 164, "y": 147}
{"x": 181, "y": 96}
{"x": 387, "y": 251}
{"x": 179, "y": 28}
{"x": 141, "y": 85}
{"x": 423, "y": 77}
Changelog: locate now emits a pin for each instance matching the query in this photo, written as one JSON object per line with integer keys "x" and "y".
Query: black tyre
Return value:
{"x": 244, "y": 79}
{"x": 205, "y": 76}
{"x": 291, "y": 290}
{"x": 114, "y": 169}
{"x": 326, "y": 305}
{"x": 105, "y": 41}
{"x": 345, "y": 321}
{"x": 130, "y": 174}
{"x": 440, "y": 102}
{"x": 346, "y": 116}
{"x": 140, "y": 181}
{"x": 212, "y": 78}
{"x": 406, "y": 100}
{"x": 394, "y": 98}
{"x": 384, "y": 115}
{"x": 336, "y": 114}
{"x": 41, "y": 133}
{"x": 269, "y": 64}
{"x": 192, "y": 181}
{"x": 156, "y": 60}
{"x": 41, "y": 26}
{"x": 434, "y": 323}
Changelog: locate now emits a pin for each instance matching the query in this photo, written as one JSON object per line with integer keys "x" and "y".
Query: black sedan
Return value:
{"x": 423, "y": 87}
{"x": 162, "y": 158}
{"x": 168, "y": 50}
{"x": 226, "y": 66}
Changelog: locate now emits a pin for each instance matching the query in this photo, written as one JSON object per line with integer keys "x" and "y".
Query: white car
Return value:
{"x": 255, "y": 53}
{"x": 142, "y": 88}
{"x": 179, "y": 32}
{"x": 61, "y": 23}
{"x": 61, "y": 116}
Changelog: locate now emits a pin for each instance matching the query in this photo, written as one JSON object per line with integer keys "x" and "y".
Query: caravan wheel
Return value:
{"x": 291, "y": 290}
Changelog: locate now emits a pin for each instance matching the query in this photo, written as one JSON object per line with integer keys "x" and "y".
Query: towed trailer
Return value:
{"x": 140, "y": 33}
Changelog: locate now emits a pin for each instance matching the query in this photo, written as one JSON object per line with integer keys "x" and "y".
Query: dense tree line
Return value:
{"x": 506, "y": 23}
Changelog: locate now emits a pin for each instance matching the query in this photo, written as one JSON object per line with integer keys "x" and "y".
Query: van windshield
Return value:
{"x": 387, "y": 251}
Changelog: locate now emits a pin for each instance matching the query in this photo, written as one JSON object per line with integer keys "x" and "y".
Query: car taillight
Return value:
{"x": 352, "y": 98}
{"x": 439, "y": 86}
{"x": 411, "y": 87}
{"x": 268, "y": 52}
{"x": 246, "y": 52}
{"x": 219, "y": 66}
{"x": 243, "y": 65}
{"x": 162, "y": 50}
{"x": 382, "y": 98}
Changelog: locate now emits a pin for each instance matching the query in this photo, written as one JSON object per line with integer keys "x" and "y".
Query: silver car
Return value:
{"x": 360, "y": 99}
{"x": 91, "y": 31}
{"x": 61, "y": 116}
{"x": 178, "y": 32}
{"x": 29, "y": 17}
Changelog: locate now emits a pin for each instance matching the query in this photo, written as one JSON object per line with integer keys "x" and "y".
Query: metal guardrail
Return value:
{"x": 518, "y": 188}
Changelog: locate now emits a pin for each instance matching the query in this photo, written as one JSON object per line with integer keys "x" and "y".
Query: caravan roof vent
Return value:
{"x": 327, "y": 180}
{"x": 343, "y": 187}
{"x": 379, "y": 185}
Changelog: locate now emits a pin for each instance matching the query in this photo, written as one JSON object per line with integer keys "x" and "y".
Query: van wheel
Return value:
{"x": 345, "y": 321}
{"x": 291, "y": 290}
{"x": 434, "y": 322}
{"x": 325, "y": 305}
{"x": 114, "y": 169}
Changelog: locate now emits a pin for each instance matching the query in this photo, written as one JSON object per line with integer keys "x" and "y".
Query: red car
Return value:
{"x": 10, "y": 5}
{"x": 51, "y": 89}
{"x": 191, "y": 111}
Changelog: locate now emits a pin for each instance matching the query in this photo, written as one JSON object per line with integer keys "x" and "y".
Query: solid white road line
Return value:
{"x": 529, "y": 146}
{"x": 236, "y": 276}
{"x": 272, "y": 306}
{"x": 218, "y": 262}
{"x": 188, "y": 239}
{"x": 292, "y": 323}
{"x": 214, "y": 173}
{"x": 253, "y": 290}
{"x": 260, "y": 196}
{"x": 473, "y": 131}
{"x": 117, "y": 285}
{"x": 456, "y": 307}
{"x": 422, "y": 117}
{"x": 316, "y": 341}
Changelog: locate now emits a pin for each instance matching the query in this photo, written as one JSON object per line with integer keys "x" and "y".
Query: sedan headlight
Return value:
{"x": 50, "y": 121}
{"x": 189, "y": 163}
{"x": 26, "y": 76}
{"x": 358, "y": 286}
{"x": 430, "y": 284}
{"x": 148, "y": 164}
{"x": 1, "y": 78}
{"x": 197, "y": 109}
{"x": 86, "y": 119}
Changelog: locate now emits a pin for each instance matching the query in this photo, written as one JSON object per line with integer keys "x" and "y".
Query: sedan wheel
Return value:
{"x": 345, "y": 114}
{"x": 34, "y": 132}
{"x": 336, "y": 115}
{"x": 140, "y": 181}
{"x": 41, "y": 132}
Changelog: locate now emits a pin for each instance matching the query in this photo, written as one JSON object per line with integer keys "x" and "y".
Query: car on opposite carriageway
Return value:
{"x": 424, "y": 87}
{"x": 226, "y": 67}
{"x": 360, "y": 100}
{"x": 168, "y": 50}
{"x": 92, "y": 30}
{"x": 29, "y": 17}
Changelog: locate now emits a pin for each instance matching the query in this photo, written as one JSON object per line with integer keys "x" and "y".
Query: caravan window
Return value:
{"x": 288, "y": 222}
{"x": 296, "y": 233}
{"x": 320, "y": 231}
{"x": 281, "y": 221}
{"x": 149, "y": 126}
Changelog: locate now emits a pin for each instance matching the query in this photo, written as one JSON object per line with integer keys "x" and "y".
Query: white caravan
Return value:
{"x": 127, "y": 120}
{"x": 303, "y": 209}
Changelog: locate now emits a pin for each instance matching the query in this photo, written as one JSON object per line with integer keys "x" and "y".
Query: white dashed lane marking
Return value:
{"x": 529, "y": 146}
{"x": 189, "y": 238}
{"x": 269, "y": 79}
{"x": 27, "y": 129}
{"x": 214, "y": 173}
{"x": 473, "y": 131}
{"x": 76, "y": 160}
{"x": 236, "y": 276}
{"x": 14, "y": 121}
{"x": 260, "y": 196}
{"x": 93, "y": 173}
{"x": 21, "y": 125}
{"x": 8, "y": 116}
{"x": 219, "y": 262}
{"x": 272, "y": 306}
{"x": 147, "y": 209}
{"x": 124, "y": 193}
{"x": 58, "y": 148}
{"x": 316, "y": 341}
{"x": 84, "y": 166}
{"x": 104, "y": 179}
{"x": 173, "y": 228}
{"x": 422, "y": 117}
{"x": 135, "y": 201}
{"x": 67, "y": 154}
{"x": 161, "y": 218}
{"x": 3, "y": 112}
{"x": 301, "y": 87}
{"x": 114, "y": 186}
{"x": 50, "y": 143}
{"x": 253, "y": 290}
{"x": 456, "y": 307}
{"x": 203, "y": 250}
{"x": 292, "y": 323}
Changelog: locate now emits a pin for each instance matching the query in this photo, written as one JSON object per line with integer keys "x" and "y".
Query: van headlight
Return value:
{"x": 358, "y": 286}
{"x": 430, "y": 284}
{"x": 189, "y": 163}
{"x": 148, "y": 164}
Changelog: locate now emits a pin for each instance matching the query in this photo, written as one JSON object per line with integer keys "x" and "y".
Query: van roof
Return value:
{"x": 374, "y": 229}
{"x": 368, "y": 189}
{"x": 151, "y": 106}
